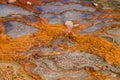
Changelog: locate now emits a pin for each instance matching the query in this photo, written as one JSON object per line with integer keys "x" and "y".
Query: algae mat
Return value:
{"x": 59, "y": 40}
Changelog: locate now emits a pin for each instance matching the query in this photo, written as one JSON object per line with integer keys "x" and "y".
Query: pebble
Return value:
{"x": 29, "y": 3}
{"x": 11, "y": 1}
{"x": 69, "y": 24}
{"x": 95, "y": 4}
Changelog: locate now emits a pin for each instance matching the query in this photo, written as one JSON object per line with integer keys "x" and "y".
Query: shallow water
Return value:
{"x": 16, "y": 29}
{"x": 60, "y": 13}
{"x": 7, "y": 10}
{"x": 37, "y": 37}
{"x": 65, "y": 65}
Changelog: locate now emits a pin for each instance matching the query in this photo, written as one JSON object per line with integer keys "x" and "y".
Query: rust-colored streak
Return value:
{"x": 21, "y": 49}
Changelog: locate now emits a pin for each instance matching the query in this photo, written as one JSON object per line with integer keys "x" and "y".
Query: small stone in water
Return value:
{"x": 11, "y": 1}
{"x": 95, "y": 4}
{"x": 69, "y": 24}
{"x": 29, "y": 3}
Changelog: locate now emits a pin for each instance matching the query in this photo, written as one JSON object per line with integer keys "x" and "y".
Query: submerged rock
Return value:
{"x": 96, "y": 27}
{"x": 12, "y": 70}
{"x": 68, "y": 64}
{"x": 59, "y": 9}
{"x": 8, "y": 9}
{"x": 58, "y": 51}
{"x": 108, "y": 3}
{"x": 59, "y": 12}
{"x": 15, "y": 29}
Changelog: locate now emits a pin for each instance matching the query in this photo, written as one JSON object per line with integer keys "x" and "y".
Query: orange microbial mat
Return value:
{"x": 59, "y": 40}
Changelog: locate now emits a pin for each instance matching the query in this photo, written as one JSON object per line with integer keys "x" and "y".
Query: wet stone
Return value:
{"x": 108, "y": 3}
{"x": 15, "y": 29}
{"x": 75, "y": 15}
{"x": 54, "y": 20}
{"x": 8, "y": 9}
{"x": 108, "y": 38}
{"x": 54, "y": 61}
{"x": 66, "y": 16}
{"x": 114, "y": 31}
{"x": 59, "y": 12}
{"x": 96, "y": 27}
{"x": 90, "y": 29}
{"x": 117, "y": 40}
{"x": 59, "y": 9}
{"x": 69, "y": 64}
{"x": 31, "y": 18}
